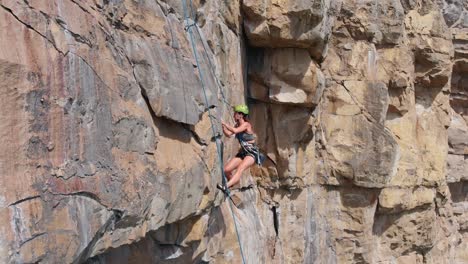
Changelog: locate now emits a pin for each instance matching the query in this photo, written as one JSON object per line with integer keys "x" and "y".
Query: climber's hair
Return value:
{"x": 244, "y": 116}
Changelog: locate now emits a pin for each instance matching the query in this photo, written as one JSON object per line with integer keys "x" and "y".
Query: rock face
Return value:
{"x": 109, "y": 155}
{"x": 283, "y": 24}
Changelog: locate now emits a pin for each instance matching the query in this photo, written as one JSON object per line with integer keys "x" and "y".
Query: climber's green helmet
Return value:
{"x": 242, "y": 108}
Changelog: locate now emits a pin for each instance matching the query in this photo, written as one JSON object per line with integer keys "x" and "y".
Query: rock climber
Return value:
{"x": 248, "y": 153}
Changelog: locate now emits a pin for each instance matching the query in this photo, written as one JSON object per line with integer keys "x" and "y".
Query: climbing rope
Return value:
{"x": 188, "y": 27}
{"x": 210, "y": 63}
{"x": 211, "y": 67}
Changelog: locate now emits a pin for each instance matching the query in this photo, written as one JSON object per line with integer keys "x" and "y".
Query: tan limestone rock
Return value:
{"x": 457, "y": 166}
{"x": 380, "y": 22}
{"x": 291, "y": 154}
{"x": 405, "y": 199}
{"x": 352, "y": 152}
{"x": 462, "y": 251}
{"x": 353, "y": 212}
{"x": 301, "y": 24}
{"x": 458, "y": 135}
{"x": 410, "y": 258}
{"x": 403, "y": 231}
{"x": 287, "y": 76}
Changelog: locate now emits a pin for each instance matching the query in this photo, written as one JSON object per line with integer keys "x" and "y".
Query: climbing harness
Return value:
{"x": 217, "y": 139}
{"x": 248, "y": 148}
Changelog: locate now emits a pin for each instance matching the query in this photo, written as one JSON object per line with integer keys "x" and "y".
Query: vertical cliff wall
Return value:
{"x": 108, "y": 154}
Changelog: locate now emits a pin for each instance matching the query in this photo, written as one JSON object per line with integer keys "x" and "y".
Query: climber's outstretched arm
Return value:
{"x": 226, "y": 131}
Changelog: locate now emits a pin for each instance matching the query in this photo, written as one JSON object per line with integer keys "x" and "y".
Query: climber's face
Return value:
{"x": 238, "y": 116}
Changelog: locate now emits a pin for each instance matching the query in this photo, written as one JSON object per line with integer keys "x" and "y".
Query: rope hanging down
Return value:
{"x": 208, "y": 58}
{"x": 188, "y": 27}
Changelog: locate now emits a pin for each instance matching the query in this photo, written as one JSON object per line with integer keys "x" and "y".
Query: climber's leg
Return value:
{"x": 246, "y": 163}
{"x": 230, "y": 166}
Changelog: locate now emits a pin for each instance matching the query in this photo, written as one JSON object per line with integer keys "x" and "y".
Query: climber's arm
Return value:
{"x": 226, "y": 132}
{"x": 235, "y": 130}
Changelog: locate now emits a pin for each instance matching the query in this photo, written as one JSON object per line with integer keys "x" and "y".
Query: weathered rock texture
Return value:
{"x": 108, "y": 154}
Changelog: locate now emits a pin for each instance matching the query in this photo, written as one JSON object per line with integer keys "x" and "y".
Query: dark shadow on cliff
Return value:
{"x": 281, "y": 129}
{"x": 279, "y": 126}
{"x": 292, "y": 194}
{"x": 459, "y": 87}
{"x": 171, "y": 129}
{"x": 166, "y": 245}
{"x": 430, "y": 77}
{"x": 353, "y": 196}
{"x": 459, "y": 191}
